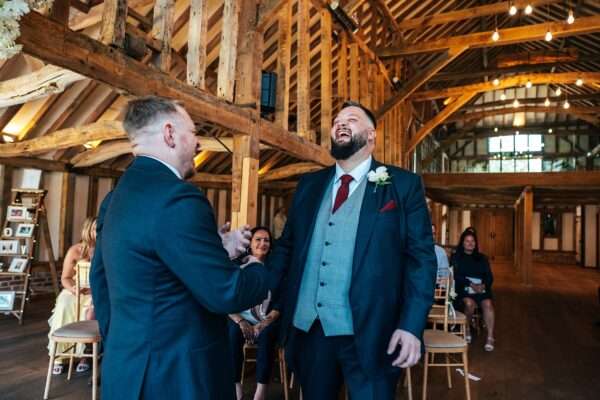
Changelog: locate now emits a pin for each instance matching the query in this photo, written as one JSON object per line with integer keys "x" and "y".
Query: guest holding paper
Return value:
{"x": 473, "y": 278}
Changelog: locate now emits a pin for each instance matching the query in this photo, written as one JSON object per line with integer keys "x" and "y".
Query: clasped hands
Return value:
{"x": 236, "y": 242}
{"x": 251, "y": 332}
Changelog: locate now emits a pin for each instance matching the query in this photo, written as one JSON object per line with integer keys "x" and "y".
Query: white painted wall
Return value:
{"x": 535, "y": 231}
{"x": 568, "y": 230}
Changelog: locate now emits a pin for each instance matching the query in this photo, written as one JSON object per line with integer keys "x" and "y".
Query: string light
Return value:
{"x": 517, "y": 133}
{"x": 547, "y": 102}
{"x": 502, "y": 97}
{"x": 496, "y": 82}
{"x": 528, "y": 9}
{"x": 512, "y": 10}
{"x": 496, "y": 129}
{"x": 566, "y": 105}
{"x": 571, "y": 17}
{"x": 549, "y": 130}
{"x": 548, "y": 36}
{"x": 579, "y": 82}
{"x": 558, "y": 92}
{"x": 528, "y": 85}
{"x": 516, "y": 103}
{"x": 496, "y": 35}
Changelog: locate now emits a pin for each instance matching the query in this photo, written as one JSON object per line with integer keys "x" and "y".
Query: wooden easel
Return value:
{"x": 28, "y": 209}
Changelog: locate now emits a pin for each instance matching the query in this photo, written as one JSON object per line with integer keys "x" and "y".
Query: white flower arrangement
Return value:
{"x": 11, "y": 12}
{"x": 380, "y": 177}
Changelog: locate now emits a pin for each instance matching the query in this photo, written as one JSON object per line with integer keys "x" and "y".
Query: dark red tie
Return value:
{"x": 342, "y": 193}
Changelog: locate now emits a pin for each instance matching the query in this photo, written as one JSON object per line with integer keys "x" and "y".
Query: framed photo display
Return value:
{"x": 17, "y": 265}
{"x": 17, "y": 213}
{"x": 9, "y": 247}
{"x": 24, "y": 230}
{"x": 7, "y": 301}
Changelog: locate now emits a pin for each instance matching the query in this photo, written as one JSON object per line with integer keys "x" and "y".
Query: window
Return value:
{"x": 518, "y": 143}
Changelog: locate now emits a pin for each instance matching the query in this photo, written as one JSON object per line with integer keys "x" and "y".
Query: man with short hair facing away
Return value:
{"x": 356, "y": 269}
{"x": 161, "y": 279}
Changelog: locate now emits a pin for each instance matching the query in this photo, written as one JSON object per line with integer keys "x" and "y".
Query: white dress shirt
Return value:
{"x": 358, "y": 174}
{"x": 172, "y": 168}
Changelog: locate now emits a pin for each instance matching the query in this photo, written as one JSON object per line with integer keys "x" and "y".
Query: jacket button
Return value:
{"x": 322, "y": 283}
{"x": 327, "y": 243}
{"x": 319, "y": 304}
{"x": 323, "y": 263}
{"x": 330, "y": 224}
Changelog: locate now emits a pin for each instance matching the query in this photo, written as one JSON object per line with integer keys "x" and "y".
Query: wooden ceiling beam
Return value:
{"x": 467, "y": 13}
{"x": 439, "y": 118}
{"x": 513, "y": 81}
{"x": 289, "y": 171}
{"x": 572, "y": 179}
{"x": 417, "y": 81}
{"x": 51, "y": 42}
{"x": 42, "y": 83}
{"x": 587, "y": 114}
{"x": 559, "y": 29}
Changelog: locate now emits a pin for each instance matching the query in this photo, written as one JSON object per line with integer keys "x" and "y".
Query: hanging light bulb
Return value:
{"x": 566, "y": 104}
{"x": 496, "y": 35}
{"x": 516, "y": 103}
{"x": 517, "y": 133}
{"x": 571, "y": 17}
{"x": 548, "y": 36}
{"x": 549, "y": 130}
{"x": 528, "y": 9}
{"x": 579, "y": 82}
{"x": 528, "y": 85}
{"x": 496, "y": 82}
{"x": 558, "y": 92}
{"x": 496, "y": 129}
{"x": 547, "y": 102}
{"x": 512, "y": 10}
{"x": 502, "y": 97}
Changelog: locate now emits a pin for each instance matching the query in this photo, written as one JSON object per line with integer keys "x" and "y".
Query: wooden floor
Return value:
{"x": 548, "y": 346}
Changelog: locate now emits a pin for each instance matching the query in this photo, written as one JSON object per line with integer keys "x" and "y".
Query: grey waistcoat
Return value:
{"x": 325, "y": 287}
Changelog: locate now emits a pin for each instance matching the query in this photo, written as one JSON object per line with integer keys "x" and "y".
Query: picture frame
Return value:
{"x": 9, "y": 247}
{"x": 18, "y": 264}
{"x": 550, "y": 223}
{"x": 17, "y": 213}
{"x": 7, "y": 300}
{"x": 24, "y": 230}
{"x": 7, "y": 232}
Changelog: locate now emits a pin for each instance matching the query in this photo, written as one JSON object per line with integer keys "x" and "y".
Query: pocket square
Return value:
{"x": 390, "y": 205}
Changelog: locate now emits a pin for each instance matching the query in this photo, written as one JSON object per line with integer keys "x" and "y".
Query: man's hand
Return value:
{"x": 235, "y": 242}
{"x": 410, "y": 350}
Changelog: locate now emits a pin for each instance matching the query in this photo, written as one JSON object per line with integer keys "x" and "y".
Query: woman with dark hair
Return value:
{"x": 473, "y": 279}
{"x": 256, "y": 325}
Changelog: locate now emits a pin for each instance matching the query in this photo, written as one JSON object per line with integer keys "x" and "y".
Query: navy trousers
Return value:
{"x": 323, "y": 363}
{"x": 265, "y": 353}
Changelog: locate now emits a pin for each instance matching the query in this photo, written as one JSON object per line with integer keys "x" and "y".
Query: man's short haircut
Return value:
{"x": 369, "y": 113}
{"x": 143, "y": 111}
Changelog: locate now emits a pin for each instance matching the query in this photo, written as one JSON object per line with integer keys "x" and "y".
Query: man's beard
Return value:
{"x": 347, "y": 150}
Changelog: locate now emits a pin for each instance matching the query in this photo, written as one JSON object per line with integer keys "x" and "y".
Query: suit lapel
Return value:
{"x": 369, "y": 211}
{"x": 314, "y": 196}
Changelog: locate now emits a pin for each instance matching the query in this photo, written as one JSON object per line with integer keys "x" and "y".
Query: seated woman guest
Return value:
{"x": 65, "y": 309}
{"x": 255, "y": 325}
{"x": 473, "y": 278}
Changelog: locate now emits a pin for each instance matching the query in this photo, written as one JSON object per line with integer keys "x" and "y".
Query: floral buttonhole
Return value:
{"x": 379, "y": 177}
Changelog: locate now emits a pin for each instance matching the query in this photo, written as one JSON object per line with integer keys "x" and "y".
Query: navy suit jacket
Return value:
{"x": 162, "y": 284}
{"x": 394, "y": 267}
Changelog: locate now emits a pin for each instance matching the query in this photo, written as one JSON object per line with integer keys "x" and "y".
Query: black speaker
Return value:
{"x": 268, "y": 92}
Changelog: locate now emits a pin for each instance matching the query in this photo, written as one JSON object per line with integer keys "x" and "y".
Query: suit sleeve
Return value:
{"x": 98, "y": 284}
{"x": 420, "y": 265}
{"x": 188, "y": 243}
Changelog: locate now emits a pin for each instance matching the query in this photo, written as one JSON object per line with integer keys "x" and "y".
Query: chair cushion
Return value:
{"x": 80, "y": 329}
{"x": 438, "y": 339}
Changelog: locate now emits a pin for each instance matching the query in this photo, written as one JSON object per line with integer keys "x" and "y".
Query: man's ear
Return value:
{"x": 372, "y": 134}
{"x": 168, "y": 132}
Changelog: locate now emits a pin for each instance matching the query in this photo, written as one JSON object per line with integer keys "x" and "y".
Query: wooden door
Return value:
{"x": 495, "y": 233}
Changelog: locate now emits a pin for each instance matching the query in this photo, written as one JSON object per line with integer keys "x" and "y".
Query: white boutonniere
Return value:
{"x": 379, "y": 177}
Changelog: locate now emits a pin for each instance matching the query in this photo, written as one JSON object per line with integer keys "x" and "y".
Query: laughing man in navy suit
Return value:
{"x": 162, "y": 282}
{"x": 356, "y": 269}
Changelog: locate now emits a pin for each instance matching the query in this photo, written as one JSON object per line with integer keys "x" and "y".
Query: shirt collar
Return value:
{"x": 357, "y": 173}
{"x": 166, "y": 164}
